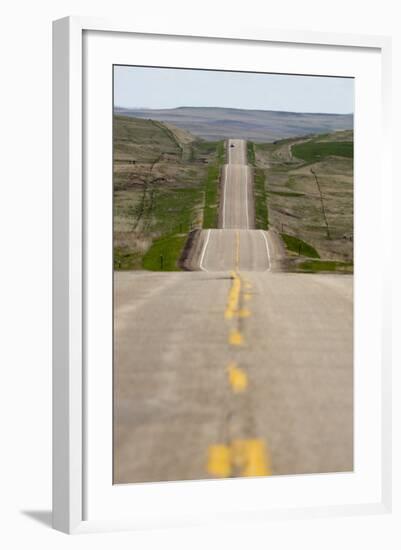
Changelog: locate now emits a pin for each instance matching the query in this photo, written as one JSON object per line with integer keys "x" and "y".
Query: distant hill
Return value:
{"x": 216, "y": 123}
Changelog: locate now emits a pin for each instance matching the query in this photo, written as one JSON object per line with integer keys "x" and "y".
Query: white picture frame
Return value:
{"x": 70, "y": 257}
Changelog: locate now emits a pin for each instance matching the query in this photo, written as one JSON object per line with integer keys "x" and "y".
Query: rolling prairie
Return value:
{"x": 218, "y": 123}
{"x": 167, "y": 186}
{"x": 309, "y": 184}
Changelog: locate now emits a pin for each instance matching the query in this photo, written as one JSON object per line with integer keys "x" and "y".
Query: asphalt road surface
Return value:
{"x": 235, "y": 248}
{"x": 236, "y": 209}
{"x": 234, "y": 369}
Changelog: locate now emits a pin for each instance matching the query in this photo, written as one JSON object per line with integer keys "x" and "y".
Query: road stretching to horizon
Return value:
{"x": 234, "y": 369}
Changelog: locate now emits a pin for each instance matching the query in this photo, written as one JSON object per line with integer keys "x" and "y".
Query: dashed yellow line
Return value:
{"x": 233, "y": 297}
{"x": 243, "y": 457}
{"x": 237, "y": 377}
{"x": 251, "y": 457}
{"x": 243, "y": 312}
{"x": 219, "y": 462}
{"x": 233, "y": 302}
{"x": 235, "y": 337}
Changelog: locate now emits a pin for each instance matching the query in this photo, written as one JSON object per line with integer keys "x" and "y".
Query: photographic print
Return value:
{"x": 233, "y": 274}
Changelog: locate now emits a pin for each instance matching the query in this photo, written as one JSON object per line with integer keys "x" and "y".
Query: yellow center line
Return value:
{"x": 251, "y": 457}
{"x": 233, "y": 303}
{"x": 235, "y": 338}
{"x": 242, "y": 457}
{"x": 219, "y": 462}
{"x": 237, "y": 377}
{"x": 233, "y": 309}
{"x": 233, "y": 297}
{"x": 243, "y": 312}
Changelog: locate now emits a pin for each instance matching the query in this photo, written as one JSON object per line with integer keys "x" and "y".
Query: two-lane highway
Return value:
{"x": 233, "y": 369}
{"x": 237, "y": 153}
{"x": 236, "y": 211}
{"x": 241, "y": 249}
{"x": 236, "y": 245}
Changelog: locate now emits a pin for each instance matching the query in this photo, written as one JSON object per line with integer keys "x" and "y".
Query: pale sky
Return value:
{"x": 159, "y": 88}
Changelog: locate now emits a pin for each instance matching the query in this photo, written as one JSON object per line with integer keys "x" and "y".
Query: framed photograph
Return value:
{"x": 221, "y": 316}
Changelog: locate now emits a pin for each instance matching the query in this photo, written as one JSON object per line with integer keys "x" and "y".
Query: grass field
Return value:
{"x": 165, "y": 184}
{"x": 298, "y": 246}
{"x": 313, "y": 151}
{"x": 261, "y": 204}
{"x": 164, "y": 253}
{"x": 212, "y": 188}
{"x": 309, "y": 183}
{"x": 316, "y": 266}
{"x": 251, "y": 153}
{"x": 259, "y": 190}
{"x": 210, "y": 212}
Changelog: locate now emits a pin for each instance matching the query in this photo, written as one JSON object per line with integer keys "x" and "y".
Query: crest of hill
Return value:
{"x": 216, "y": 123}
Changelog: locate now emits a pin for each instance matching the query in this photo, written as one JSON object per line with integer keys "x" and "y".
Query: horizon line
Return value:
{"x": 230, "y": 108}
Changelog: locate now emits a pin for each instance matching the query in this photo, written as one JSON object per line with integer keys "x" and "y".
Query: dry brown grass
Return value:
{"x": 158, "y": 180}
{"x": 300, "y": 206}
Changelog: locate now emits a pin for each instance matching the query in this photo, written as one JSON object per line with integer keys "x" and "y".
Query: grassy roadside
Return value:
{"x": 251, "y": 153}
{"x": 298, "y": 246}
{"x": 261, "y": 212}
{"x": 124, "y": 260}
{"x": 164, "y": 253}
{"x": 212, "y": 189}
{"x": 221, "y": 152}
{"x": 210, "y": 212}
{"x": 259, "y": 190}
{"x": 184, "y": 214}
{"x": 319, "y": 266}
{"x": 176, "y": 212}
